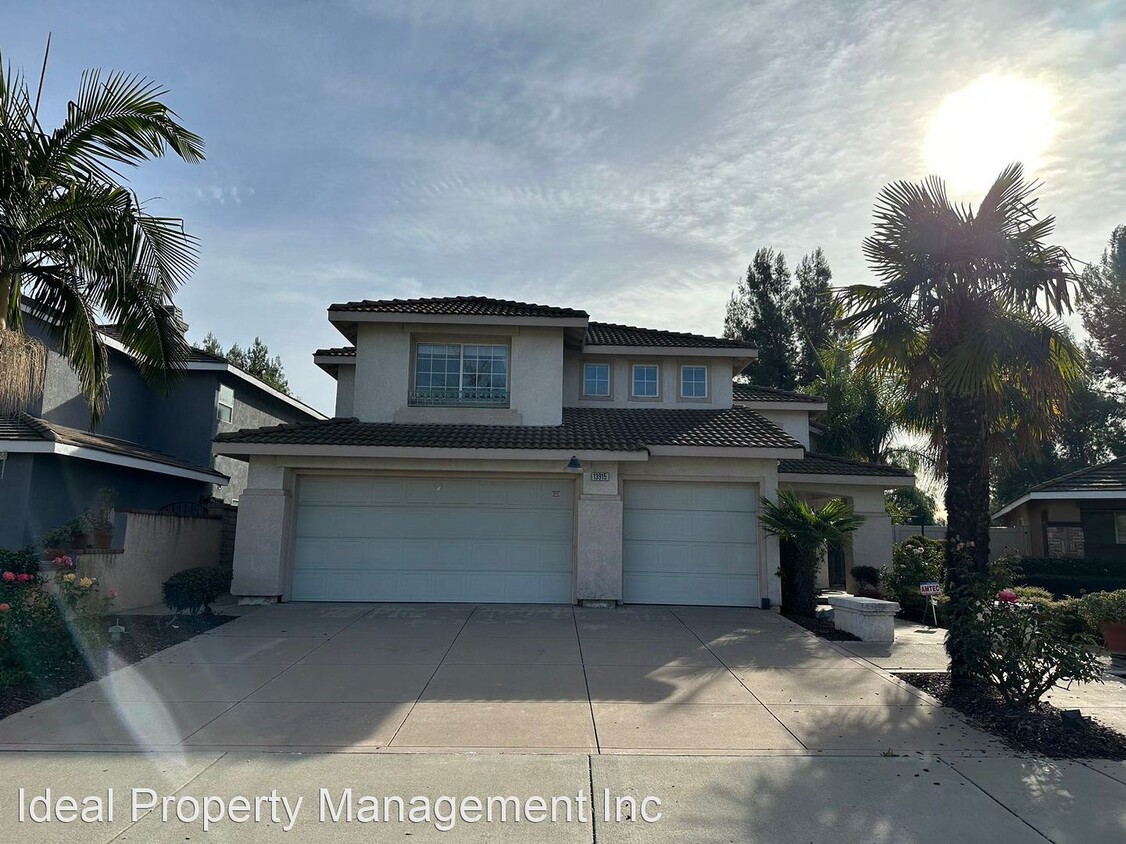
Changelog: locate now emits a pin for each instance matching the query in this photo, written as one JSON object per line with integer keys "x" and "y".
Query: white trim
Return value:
{"x": 707, "y": 378}
{"x": 126, "y": 461}
{"x": 885, "y": 481}
{"x": 334, "y": 360}
{"x": 609, "y": 380}
{"x": 251, "y": 449}
{"x": 207, "y": 366}
{"x": 781, "y": 405}
{"x": 633, "y": 380}
{"x": 1048, "y": 495}
{"x": 672, "y": 351}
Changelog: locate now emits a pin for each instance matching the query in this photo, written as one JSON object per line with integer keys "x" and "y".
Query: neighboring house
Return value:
{"x": 153, "y": 450}
{"x": 1081, "y": 514}
{"x": 495, "y": 451}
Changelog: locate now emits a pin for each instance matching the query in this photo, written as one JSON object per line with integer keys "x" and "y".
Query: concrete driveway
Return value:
{"x": 413, "y": 678}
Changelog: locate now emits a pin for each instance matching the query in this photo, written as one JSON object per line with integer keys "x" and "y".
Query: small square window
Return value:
{"x": 645, "y": 380}
{"x": 226, "y": 404}
{"x": 596, "y": 379}
{"x": 694, "y": 382}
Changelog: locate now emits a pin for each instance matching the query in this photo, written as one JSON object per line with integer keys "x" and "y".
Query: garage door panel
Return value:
{"x": 415, "y": 539}
{"x": 690, "y": 543}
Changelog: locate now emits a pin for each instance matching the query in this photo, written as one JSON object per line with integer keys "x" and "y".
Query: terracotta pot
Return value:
{"x": 81, "y": 541}
{"x": 103, "y": 540}
{"x": 53, "y": 553}
{"x": 1114, "y": 635}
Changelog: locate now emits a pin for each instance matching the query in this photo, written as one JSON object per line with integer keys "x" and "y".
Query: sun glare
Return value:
{"x": 991, "y": 122}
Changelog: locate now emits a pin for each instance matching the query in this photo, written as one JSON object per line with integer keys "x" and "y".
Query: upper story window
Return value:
{"x": 694, "y": 382}
{"x": 596, "y": 379}
{"x": 460, "y": 374}
{"x": 226, "y": 404}
{"x": 646, "y": 381}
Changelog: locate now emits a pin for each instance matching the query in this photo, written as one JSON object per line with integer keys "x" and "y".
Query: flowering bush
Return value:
{"x": 1023, "y": 649}
{"x": 915, "y": 560}
{"x": 47, "y": 625}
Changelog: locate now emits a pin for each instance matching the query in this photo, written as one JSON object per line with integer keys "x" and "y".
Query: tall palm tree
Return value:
{"x": 968, "y": 320}
{"x": 77, "y": 246}
{"x": 805, "y": 532}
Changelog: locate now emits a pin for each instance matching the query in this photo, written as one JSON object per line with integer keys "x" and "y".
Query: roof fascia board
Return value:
{"x": 782, "y": 404}
{"x": 711, "y": 451}
{"x": 254, "y": 449}
{"x": 125, "y": 461}
{"x": 885, "y": 481}
{"x": 1049, "y": 495}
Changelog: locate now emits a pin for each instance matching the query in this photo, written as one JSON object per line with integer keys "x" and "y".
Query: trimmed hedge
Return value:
{"x": 193, "y": 590}
{"x": 1063, "y": 576}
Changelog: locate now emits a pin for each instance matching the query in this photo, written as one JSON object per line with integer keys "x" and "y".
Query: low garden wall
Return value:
{"x": 155, "y": 546}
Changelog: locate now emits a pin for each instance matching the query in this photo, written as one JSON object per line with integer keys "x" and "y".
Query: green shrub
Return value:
{"x": 1073, "y": 576}
{"x": 23, "y": 561}
{"x": 193, "y": 590}
{"x": 915, "y": 560}
{"x": 1103, "y": 607}
{"x": 1023, "y": 650}
{"x": 866, "y": 577}
{"x": 1034, "y": 593}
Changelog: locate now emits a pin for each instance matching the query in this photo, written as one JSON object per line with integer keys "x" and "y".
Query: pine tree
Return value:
{"x": 814, "y": 314}
{"x": 759, "y": 313}
{"x": 254, "y": 361}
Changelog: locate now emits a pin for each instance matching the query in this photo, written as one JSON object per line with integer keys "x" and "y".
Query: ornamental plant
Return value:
{"x": 193, "y": 590}
{"x": 1104, "y": 607}
{"x": 915, "y": 560}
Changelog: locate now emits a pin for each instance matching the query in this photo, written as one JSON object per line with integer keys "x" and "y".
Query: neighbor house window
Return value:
{"x": 460, "y": 373}
{"x": 226, "y": 404}
{"x": 1120, "y": 528}
{"x": 694, "y": 382}
{"x": 596, "y": 379}
{"x": 645, "y": 380}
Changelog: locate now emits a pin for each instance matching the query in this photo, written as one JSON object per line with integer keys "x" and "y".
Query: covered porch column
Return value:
{"x": 872, "y": 542}
{"x": 264, "y": 533}
{"x": 598, "y": 539}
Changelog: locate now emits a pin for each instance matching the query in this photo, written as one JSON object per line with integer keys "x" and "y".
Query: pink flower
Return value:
{"x": 113, "y": 593}
{"x": 64, "y": 561}
{"x": 5, "y": 607}
{"x": 9, "y": 577}
{"x": 1008, "y": 596}
{"x": 23, "y": 578}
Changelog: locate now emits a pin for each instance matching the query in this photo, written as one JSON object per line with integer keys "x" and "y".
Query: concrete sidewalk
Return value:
{"x": 763, "y": 800}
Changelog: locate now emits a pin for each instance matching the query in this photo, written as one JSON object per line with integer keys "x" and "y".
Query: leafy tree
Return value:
{"x": 804, "y": 533}
{"x": 1103, "y": 305}
{"x": 910, "y": 506}
{"x": 815, "y": 315}
{"x": 77, "y": 246}
{"x": 759, "y": 313}
{"x": 256, "y": 361}
{"x": 967, "y": 320}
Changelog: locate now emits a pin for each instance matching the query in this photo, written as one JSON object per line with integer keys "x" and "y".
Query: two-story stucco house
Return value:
{"x": 496, "y": 451}
{"x": 153, "y": 450}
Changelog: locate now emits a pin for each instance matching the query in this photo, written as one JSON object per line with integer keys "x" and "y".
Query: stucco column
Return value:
{"x": 264, "y": 531}
{"x": 770, "y": 584}
{"x": 871, "y": 544}
{"x": 598, "y": 536}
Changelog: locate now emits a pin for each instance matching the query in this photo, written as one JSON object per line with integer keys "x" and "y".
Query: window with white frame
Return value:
{"x": 694, "y": 382}
{"x": 596, "y": 379}
{"x": 226, "y": 404}
{"x": 460, "y": 373}
{"x": 646, "y": 380}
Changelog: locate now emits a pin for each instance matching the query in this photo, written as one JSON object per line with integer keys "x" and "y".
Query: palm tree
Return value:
{"x": 968, "y": 321}
{"x": 804, "y": 533}
{"x": 76, "y": 246}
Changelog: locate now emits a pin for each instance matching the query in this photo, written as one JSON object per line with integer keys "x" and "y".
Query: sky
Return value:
{"x": 626, "y": 158}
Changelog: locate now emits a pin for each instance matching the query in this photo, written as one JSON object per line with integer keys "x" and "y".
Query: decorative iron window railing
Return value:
{"x": 454, "y": 397}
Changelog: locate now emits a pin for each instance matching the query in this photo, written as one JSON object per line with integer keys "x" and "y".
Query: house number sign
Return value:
{"x": 600, "y": 476}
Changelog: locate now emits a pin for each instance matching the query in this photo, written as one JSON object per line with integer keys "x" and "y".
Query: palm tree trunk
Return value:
{"x": 5, "y": 300}
{"x": 967, "y": 520}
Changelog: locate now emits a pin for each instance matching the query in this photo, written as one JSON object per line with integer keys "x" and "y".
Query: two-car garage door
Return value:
{"x": 415, "y": 539}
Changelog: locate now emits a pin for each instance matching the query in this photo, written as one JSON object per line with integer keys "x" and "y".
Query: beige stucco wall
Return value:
{"x": 720, "y": 372}
{"x": 345, "y": 389}
{"x": 156, "y": 546}
{"x": 793, "y": 422}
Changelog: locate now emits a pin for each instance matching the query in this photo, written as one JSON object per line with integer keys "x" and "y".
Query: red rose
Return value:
{"x": 10, "y": 577}
{"x": 23, "y": 578}
{"x": 5, "y": 607}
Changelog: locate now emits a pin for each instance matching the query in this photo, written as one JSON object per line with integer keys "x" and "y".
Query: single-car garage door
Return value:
{"x": 416, "y": 539}
{"x": 690, "y": 543}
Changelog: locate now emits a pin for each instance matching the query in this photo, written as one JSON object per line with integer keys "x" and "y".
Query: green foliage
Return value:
{"x": 915, "y": 560}
{"x": 59, "y": 537}
{"x": 99, "y": 517}
{"x": 255, "y": 361}
{"x": 910, "y": 506}
{"x": 1034, "y": 593}
{"x": 193, "y": 590}
{"x": 48, "y": 626}
{"x": 804, "y": 533}
{"x": 22, "y": 561}
{"x": 1105, "y": 302}
{"x": 866, "y": 577}
{"x": 759, "y": 313}
{"x": 815, "y": 314}
{"x": 1072, "y": 575}
{"x": 77, "y": 246}
{"x": 1103, "y": 607}
{"x": 1023, "y": 650}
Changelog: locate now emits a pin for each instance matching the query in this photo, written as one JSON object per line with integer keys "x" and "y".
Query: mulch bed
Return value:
{"x": 823, "y": 628}
{"x": 1041, "y": 730}
{"x": 144, "y": 636}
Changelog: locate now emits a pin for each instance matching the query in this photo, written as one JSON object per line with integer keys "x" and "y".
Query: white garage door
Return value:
{"x": 413, "y": 539}
{"x": 690, "y": 543}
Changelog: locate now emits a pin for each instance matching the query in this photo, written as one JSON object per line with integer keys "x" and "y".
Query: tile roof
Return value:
{"x": 1105, "y": 477}
{"x": 827, "y": 464}
{"x": 195, "y": 355}
{"x": 340, "y": 352}
{"x": 753, "y": 392}
{"x": 459, "y": 306}
{"x": 26, "y": 428}
{"x": 583, "y": 429}
{"x": 608, "y": 334}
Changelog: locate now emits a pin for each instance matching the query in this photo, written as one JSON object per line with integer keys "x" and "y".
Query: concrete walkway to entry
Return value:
{"x": 412, "y": 678}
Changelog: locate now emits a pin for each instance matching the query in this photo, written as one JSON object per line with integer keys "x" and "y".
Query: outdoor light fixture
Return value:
{"x": 574, "y": 465}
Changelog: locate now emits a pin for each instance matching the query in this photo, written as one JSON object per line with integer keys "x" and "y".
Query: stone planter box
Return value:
{"x": 869, "y": 619}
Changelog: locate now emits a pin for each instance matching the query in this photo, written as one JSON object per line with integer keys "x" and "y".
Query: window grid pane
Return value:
{"x": 694, "y": 382}
{"x": 596, "y": 379}
{"x": 645, "y": 381}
